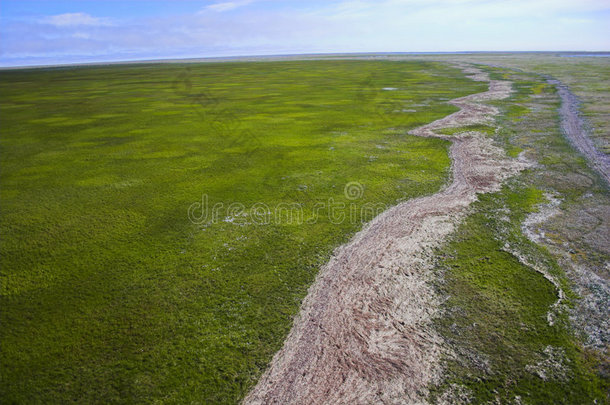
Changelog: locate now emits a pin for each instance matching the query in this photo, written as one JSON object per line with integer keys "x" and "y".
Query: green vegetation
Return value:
{"x": 497, "y": 313}
{"x": 495, "y": 318}
{"x": 109, "y": 292}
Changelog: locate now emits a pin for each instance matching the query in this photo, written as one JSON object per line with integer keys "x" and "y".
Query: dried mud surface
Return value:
{"x": 364, "y": 334}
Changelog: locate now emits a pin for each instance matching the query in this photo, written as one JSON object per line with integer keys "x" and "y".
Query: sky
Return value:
{"x": 42, "y": 32}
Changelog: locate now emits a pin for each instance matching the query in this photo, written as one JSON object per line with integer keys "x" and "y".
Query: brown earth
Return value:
{"x": 364, "y": 334}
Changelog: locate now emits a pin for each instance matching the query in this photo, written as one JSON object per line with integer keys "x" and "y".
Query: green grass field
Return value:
{"x": 110, "y": 294}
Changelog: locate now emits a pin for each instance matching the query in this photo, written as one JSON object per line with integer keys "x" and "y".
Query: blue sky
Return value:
{"x": 52, "y": 32}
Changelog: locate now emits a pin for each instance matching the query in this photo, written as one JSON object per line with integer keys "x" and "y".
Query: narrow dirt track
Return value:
{"x": 364, "y": 334}
{"x": 574, "y": 128}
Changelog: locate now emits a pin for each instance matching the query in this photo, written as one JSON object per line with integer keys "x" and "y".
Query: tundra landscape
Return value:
{"x": 308, "y": 228}
{"x": 481, "y": 272}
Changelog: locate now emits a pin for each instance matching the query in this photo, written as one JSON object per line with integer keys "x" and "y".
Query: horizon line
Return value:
{"x": 238, "y": 58}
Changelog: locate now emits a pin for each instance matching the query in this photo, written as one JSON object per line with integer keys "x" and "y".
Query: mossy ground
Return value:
{"x": 109, "y": 293}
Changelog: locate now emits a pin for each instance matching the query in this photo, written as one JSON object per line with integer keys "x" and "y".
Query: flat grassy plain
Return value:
{"x": 110, "y": 293}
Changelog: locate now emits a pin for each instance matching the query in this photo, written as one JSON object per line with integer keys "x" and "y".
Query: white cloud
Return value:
{"x": 228, "y": 5}
{"x": 81, "y": 35}
{"x": 74, "y": 19}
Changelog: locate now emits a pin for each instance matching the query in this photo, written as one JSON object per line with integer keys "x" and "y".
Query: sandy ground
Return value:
{"x": 364, "y": 334}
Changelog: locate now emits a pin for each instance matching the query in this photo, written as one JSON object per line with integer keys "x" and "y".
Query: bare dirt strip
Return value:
{"x": 364, "y": 333}
{"x": 574, "y": 128}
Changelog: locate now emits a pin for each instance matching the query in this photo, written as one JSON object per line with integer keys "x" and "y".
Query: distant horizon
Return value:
{"x": 253, "y": 57}
{"x": 63, "y": 32}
